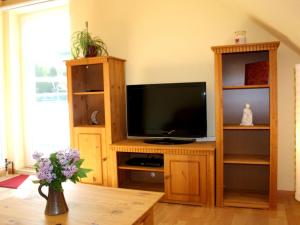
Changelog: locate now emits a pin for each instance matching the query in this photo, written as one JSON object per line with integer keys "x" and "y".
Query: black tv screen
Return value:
{"x": 167, "y": 110}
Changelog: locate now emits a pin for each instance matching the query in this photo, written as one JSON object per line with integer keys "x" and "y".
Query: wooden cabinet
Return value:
{"x": 96, "y": 96}
{"x": 91, "y": 143}
{"x": 186, "y": 177}
{"x": 246, "y": 162}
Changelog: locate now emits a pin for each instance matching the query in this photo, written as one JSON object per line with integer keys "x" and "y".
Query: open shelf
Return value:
{"x": 141, "y": 168}
{"x": 84, "y": 105}
{"x": 234, "y": 101}
{"x": 246, "y": 87}
{"x": 87, "y": 77}
{"x": 143, "y": 186}
{"x": 141, "y": 179}
{"x": 246, "y": 199}
{"x": 246, "y": 159}
{"x": 88, "y": 93}
{"x": 239, "y": 127}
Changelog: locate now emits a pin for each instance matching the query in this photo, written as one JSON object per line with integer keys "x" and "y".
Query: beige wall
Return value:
{"x": 170, "y": 40}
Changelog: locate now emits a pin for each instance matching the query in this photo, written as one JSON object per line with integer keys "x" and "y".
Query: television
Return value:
{"x": 171, "y": 110}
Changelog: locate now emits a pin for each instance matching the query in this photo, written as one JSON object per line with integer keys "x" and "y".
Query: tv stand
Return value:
{"x": 168, "y": 141}
{"x": 186, "y": 175}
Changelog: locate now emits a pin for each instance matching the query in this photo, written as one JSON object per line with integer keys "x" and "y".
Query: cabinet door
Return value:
{"x": 90, "y": 147}
{"x": 186, "y": 178}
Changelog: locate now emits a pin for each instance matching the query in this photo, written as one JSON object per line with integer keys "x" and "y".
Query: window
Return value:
{"x": 2, "y": 146}
{"x": 1, "y": 134}
{"x": 45, "y": 45}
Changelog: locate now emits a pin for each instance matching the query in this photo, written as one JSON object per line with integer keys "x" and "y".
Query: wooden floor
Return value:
{"x": 287, "y": 213}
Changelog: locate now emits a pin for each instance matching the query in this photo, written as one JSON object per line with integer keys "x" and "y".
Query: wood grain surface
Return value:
{"x": 88, "y": 205}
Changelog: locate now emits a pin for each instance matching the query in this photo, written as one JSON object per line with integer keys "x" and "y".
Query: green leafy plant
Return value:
{"x": 85, "y": 44}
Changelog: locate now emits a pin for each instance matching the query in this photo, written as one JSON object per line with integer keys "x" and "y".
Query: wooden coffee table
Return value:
{"x": 88, "y": 205}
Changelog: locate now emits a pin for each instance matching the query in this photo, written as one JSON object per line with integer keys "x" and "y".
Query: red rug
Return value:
{"x": 14, "y": 182}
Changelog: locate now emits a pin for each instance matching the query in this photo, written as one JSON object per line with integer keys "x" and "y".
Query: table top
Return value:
{"x": 88, "y": 205}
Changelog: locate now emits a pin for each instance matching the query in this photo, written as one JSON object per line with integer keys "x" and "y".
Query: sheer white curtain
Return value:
{"x": 297, "y": 195}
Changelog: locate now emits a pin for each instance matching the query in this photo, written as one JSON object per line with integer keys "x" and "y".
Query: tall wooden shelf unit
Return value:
{"x": 246, "y": 155}
{"x": 96, "y": 84}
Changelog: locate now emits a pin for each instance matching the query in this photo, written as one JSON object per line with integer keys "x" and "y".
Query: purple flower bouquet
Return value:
{"x": 58, "y": 168}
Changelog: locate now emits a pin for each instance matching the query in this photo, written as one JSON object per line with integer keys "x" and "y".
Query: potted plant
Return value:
{"x": 88, "y": 46}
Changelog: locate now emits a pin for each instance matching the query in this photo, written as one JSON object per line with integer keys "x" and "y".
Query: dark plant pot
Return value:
{"x": 91, "y": 51}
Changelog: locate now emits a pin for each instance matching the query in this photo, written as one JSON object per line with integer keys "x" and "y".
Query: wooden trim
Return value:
{"x": 140, "y": 168}
{"x": 89, "y": 93}
{"x": 90, "y": 126}
{"x": 246, "y": 87}
{"x": 107, "y": 115}
{"x": 138, "y": 146}
{"x": 70, "y": 104}
{"x": 91, "y": 60}
{"x": 239, "y": 127}
{"x": 246, "y": 159}
{"x": 219, "y": 129}
{"x": 251, "y": 47}
{"x": 211, "y": 180}
{"x": 273, "y": 128}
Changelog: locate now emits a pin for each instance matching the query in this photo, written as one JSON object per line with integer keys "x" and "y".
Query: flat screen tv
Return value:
{"x": 173, "y": 110}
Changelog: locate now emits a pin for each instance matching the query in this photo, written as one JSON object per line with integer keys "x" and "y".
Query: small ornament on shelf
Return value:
{"x": 257, "y": 73}
{"x": 94, "y": 119}
{"x": 240, "y": 37}
{"x": 247, "y": 119}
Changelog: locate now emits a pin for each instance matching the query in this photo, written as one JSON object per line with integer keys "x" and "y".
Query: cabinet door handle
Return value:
{"x": 104, "y": 159}
{"x": 167, "y": 177}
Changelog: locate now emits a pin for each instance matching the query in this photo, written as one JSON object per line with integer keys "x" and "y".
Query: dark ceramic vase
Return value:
{"x": 56, "y": 203}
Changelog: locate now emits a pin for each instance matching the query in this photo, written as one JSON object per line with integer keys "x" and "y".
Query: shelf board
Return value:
{"x": 89, "y": 126}
{"x": 239, "y": 127}
{"x": 143, "y": 186}
{"x": 246, "y": 199}
{"x": 246, "y": 87}
{"x": 141, "y": 168}
{"x": 89, "y": 93}
{"x": 246, "y": 159}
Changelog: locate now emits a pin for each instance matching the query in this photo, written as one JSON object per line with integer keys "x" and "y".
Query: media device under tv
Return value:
{"x": 143, "y": 161}
{"x": 173, "y": 113}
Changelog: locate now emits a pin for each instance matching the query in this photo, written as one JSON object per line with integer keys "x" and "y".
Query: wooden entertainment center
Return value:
{"x": 187, "y": 175}
{"x": 96, "y": 86}
{"x": 246, "y": 156}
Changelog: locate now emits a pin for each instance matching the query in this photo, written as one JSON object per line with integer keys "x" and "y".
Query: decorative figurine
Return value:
{"x": 240, "y": 37}
{"x": 247, "y": 119}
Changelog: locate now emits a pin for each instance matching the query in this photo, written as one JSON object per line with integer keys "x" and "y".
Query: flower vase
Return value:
{"x": 56, "y": 203}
